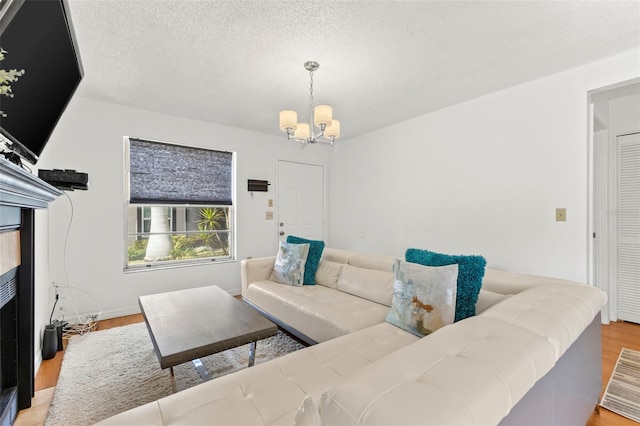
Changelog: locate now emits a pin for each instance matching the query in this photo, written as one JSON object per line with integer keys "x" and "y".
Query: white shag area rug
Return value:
{"x": 107, "y": 372}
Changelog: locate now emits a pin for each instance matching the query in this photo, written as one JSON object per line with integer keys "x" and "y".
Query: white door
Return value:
{"x": 300, "y": 200}
{"x": 629, "y": 227}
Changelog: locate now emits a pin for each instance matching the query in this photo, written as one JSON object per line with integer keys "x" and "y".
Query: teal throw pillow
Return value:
{"x": 470, "y": 273}
{"x": 424, "y": 297}
{"x": 289, "y": 265}
{"x": 313, "y": 260}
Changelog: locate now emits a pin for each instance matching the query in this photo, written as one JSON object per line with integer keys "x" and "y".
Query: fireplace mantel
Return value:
{"x": 21, "y": 193}
{"x": 19, "y": 188}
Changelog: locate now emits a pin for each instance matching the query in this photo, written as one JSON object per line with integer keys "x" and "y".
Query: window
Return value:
{"x": 179, "y": 204}
{"x": 144, "y": 219}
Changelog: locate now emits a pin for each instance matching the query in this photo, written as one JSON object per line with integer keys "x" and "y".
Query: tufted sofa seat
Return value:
{"x": 532, "y": 351}
{"x": 270, "y": 393}
{"x": 472, "y": 372}
{"x": 353, "y": 291}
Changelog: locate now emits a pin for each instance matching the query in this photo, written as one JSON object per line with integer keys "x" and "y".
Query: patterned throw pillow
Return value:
{"x": 470, "y": 273}
{"x": 289, "y": 265}
{"x": 313, "y": 260}
{"x": 424, "y": 298}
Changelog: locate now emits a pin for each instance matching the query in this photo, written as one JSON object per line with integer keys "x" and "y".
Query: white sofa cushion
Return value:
{"x": 252, "y": 270}
{"x": 376, "y": 286}
{"x": 373, "y": 261}
{"x": 328, "y": 273}
{"x": 319, "y": 312}
{"x": 471, "y": 372}
{"x": 369, "y": 276}
{"x": 337, "y": 255}
{"x": 558, "y": 312}
{"x": 505, "y": 282}
{"x": 270, "y": 393}
{"x": 308, "y": 414}
{"x": 487, "y": 298}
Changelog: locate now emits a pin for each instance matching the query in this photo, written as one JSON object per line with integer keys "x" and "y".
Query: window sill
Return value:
{"x": 185, "y": 264}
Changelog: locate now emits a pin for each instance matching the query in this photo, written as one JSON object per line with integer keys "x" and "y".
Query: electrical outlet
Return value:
{"x": 269, "y": 215}
{"x": 561, "y": 215}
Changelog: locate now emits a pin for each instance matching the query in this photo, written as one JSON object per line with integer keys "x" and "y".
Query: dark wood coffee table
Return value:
{"x": 186, "y": 325}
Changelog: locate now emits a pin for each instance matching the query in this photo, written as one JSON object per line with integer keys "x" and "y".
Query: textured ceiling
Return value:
{"x": 238, "y": 63}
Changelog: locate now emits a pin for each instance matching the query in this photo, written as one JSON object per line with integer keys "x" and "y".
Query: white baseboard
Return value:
{"x": 37, "y": 361}
{"x": 131, "y": 310}
{"x": 120, "y": 312}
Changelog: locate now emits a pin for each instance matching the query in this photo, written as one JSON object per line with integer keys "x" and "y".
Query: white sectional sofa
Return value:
{"x": 530, "y": 356}
{"x": 353, "y": 292}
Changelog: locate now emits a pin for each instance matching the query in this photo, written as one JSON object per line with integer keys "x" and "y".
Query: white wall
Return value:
{"x": 482, "y": 177}
{"x": 89, "y": 138}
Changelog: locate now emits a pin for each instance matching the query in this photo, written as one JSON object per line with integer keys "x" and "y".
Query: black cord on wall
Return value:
{"x": 54, "y": 308}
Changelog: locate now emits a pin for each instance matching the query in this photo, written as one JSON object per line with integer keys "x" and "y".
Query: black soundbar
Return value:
{"x": 65, "y": 179}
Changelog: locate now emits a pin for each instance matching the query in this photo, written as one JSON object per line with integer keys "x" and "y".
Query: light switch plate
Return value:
{"x": 561, "y": 215}
{"x": 270, "y": 202}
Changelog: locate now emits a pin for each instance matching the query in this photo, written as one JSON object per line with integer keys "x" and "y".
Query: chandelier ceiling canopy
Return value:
{"x": 320, "y": 117}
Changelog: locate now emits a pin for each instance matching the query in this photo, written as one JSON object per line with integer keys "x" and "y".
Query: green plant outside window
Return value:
{"x": 170, "y": 234}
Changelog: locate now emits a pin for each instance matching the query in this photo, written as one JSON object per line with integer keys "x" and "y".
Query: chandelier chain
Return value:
{"x": 311, "y": 89}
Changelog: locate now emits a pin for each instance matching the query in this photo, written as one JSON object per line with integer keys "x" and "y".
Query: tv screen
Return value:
{"x": 37, "y": 37}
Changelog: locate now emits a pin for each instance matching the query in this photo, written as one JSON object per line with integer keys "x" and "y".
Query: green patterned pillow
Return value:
{"x": 289, "y": 265}
{"x": 313, "y": 260}
{"x": 424, "y": 298}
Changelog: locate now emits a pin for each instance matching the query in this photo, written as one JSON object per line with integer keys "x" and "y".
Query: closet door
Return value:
{"x": 628, "y": 213}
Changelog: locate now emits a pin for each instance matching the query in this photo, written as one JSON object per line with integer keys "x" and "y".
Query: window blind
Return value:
{"x": 162, "y": 173}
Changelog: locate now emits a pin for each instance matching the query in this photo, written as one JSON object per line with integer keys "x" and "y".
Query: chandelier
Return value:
{"x": 320, "y": 116}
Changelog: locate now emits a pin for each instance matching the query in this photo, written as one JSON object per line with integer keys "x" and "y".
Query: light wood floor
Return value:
{"x": 615, "y": 336}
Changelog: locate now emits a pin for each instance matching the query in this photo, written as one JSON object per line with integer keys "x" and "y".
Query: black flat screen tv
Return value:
{"x": 38, "y": 38}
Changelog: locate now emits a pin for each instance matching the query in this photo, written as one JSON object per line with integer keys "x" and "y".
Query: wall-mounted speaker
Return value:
{"x": 254, "y": 185}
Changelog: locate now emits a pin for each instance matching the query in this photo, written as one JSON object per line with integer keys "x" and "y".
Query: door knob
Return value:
{"x": 281, "y": 233}
{"x": 281, "y": 224}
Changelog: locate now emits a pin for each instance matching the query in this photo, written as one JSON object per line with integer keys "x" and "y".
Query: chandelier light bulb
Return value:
{"x": 333, "y": 130}
{"x": 302, "y": 132}
{"x": 288, "y": 120}
{"x": 322, "y": 114}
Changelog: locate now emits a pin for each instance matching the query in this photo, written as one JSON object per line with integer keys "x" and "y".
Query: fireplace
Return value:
{"x": 12, "y": 358}
{"x": 20, "y": 193}
{"x": 9, "y": 346}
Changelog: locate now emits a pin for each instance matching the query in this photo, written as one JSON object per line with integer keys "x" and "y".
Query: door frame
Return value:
{"x": 602, "y": 263}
